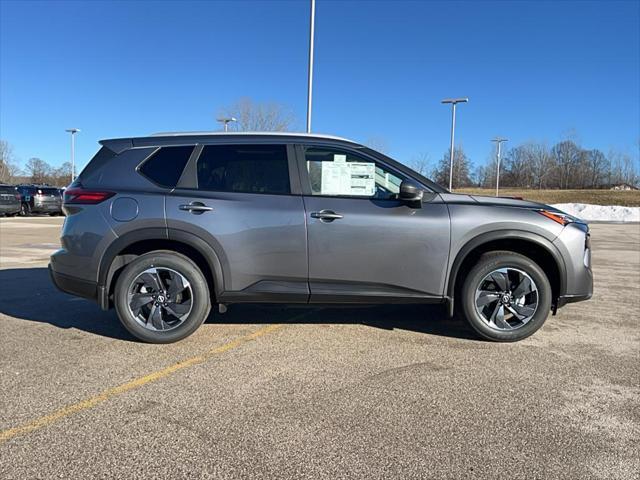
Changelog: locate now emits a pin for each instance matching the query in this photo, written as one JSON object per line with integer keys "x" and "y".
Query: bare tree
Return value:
{"x": 61, "y": 176}
{"x": 461, "y": 169}
{"x": 566, "y": 156}
{"x": 259, "y": 117}
{"x": 38, "y": 170}
{"x": 421, "y": 163}
{"x": 8, "y": 169}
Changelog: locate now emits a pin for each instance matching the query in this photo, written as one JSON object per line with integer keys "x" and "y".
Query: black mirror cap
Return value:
{"x": 411, "y": 193}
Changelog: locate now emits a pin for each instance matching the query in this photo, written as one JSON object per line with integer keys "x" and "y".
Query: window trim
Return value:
{"x": 305, "y": 181}
{"x": 189, "y": 178}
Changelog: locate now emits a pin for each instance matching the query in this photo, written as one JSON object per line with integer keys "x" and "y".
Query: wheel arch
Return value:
{"x": 534, "y": 246}
{"x": 129, "y": 246}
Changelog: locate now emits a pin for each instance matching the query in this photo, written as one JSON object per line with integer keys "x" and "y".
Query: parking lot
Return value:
{"x": 393, "y": 391}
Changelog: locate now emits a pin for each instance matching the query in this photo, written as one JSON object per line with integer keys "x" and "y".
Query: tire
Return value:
{"x": 520, "y": 318}
{"x": 167, "y": 265}
{"x": 25, "y": 210}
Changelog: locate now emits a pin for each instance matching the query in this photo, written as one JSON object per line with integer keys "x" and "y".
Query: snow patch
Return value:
{"x": 600, "y": 213}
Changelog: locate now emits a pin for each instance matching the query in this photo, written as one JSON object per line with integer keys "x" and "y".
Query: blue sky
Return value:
{"x": 532, "y": 70}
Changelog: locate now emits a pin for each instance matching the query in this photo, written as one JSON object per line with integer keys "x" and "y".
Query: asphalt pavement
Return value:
{"x": 276, "y": 392}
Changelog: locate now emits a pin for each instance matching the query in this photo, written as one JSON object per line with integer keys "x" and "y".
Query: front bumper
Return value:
{"x": 574, "y": 243}
{"x": 564, "y": 299}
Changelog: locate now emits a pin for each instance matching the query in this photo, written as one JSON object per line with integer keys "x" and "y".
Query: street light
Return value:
{"x": 73, "y": 132}
{"x": 226, "y": 121}
{"x": 312, "y": 22}
{"x": 498, "y": 141}
{"x": 453, "y": 102}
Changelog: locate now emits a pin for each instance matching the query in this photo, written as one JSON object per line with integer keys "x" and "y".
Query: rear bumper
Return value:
{"x": 46, "y": 207}
{"x": 10, "y": 209}
{"x": 73, "y": 285}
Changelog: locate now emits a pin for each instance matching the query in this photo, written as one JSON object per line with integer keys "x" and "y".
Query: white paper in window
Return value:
{"x": 348, "y": 178}
{"x": 363, "y": 178}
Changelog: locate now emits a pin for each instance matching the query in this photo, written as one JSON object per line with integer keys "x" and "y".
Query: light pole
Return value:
{"x": 226, "y": 121}
{"x": 498, "y": 141}
{"x": 73, "y": 132}
{"x": 310, "y": 77}
{"x": 453, "y": 102}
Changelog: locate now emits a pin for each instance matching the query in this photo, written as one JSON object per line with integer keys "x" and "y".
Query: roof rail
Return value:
{"x": 282, "y": 134}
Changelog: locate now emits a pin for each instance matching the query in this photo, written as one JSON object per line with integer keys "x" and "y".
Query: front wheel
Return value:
{"x": 506, "y": 296}
{"x": 162, "y": 297}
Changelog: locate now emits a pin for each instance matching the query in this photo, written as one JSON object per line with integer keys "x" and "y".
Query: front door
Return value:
{"x": 239, "y": 199}
{"x": 364, "y": 244}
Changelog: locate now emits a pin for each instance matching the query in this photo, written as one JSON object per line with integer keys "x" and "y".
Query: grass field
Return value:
{"x": 594, "y": 197}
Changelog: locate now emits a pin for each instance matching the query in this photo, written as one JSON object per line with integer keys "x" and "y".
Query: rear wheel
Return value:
{"x": 506, "y": 296}
{"x": 25, "y": 210}
{"x": 162, "y": 297}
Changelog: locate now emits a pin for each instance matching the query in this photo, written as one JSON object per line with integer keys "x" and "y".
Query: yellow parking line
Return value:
{"x": 125, "y": 387}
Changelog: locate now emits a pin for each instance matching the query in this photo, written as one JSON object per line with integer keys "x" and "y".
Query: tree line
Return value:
{"x": 565, "y": 165}
{"x": 35, "y": 170}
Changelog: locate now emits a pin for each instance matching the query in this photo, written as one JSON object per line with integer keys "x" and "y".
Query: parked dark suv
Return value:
{"x": 40, "y": 199}
{"x": 9, "y": 200}
{"x": 163, "y": 226}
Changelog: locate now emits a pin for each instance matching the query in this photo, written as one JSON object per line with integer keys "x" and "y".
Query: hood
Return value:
{"x": 497, "y": 201}
{"x": 456, "y": 198}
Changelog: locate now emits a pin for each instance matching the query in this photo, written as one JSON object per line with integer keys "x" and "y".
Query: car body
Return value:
{"x": 40, "y": 199}
{"x": 9, "y": 200}
{"x": 304, "y": 219}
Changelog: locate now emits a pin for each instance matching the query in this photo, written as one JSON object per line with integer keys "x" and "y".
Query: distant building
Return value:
{"x": 623, "y": 186}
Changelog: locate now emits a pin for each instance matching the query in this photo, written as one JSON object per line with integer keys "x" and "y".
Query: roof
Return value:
{"x": 118, "y": 145}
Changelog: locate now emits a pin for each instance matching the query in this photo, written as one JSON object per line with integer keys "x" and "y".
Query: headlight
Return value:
{"x": 558, "y": 217}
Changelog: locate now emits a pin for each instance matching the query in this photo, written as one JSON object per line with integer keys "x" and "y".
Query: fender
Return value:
{"x": 510, "y": 234}
{"x": 107, "y": 266}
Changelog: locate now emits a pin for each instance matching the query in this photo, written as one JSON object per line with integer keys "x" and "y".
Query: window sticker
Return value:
{"x": 339, "y": 157}
{"x": 348, "y": 178}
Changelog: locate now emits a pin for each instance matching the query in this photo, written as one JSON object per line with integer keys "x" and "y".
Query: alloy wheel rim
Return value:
{"x": 506, "y": 299}
{"x": 160, "y": 299}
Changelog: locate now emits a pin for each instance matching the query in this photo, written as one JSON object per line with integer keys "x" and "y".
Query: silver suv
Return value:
{"x": 162, "y": 227}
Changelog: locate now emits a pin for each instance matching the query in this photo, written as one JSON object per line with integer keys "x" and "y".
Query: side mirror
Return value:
{"x": 411, "y": 193}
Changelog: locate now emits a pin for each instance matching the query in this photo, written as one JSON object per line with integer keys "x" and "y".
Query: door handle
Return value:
{"x": 326, "y": 215}
{"x": 197, "y": 208}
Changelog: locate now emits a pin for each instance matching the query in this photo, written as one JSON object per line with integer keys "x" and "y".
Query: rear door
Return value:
{"x": 244, "y": 200}
{"x": 364, "y": 244}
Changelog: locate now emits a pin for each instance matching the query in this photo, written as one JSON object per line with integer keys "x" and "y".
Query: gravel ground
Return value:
{"x": 379, "y": 392}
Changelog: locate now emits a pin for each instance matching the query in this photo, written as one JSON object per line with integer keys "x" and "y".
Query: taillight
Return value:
{"x": 560, "y": 218}
{"x": 84, "y": 196}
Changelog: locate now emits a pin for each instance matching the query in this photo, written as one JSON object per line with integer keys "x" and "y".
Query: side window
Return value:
{"x": 166, "y": 165}
{"x": 342, "y": 173}
{"x": 244, "y": 168}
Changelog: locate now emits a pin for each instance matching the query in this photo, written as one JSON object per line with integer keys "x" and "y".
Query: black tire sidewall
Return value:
{"x": 494, "y": 261}
{"x": 183, "y": 265}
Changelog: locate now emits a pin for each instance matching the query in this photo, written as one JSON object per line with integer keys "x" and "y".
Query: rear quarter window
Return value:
{"x": 99, "y": 160}
{"x": 166, "y": 165}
